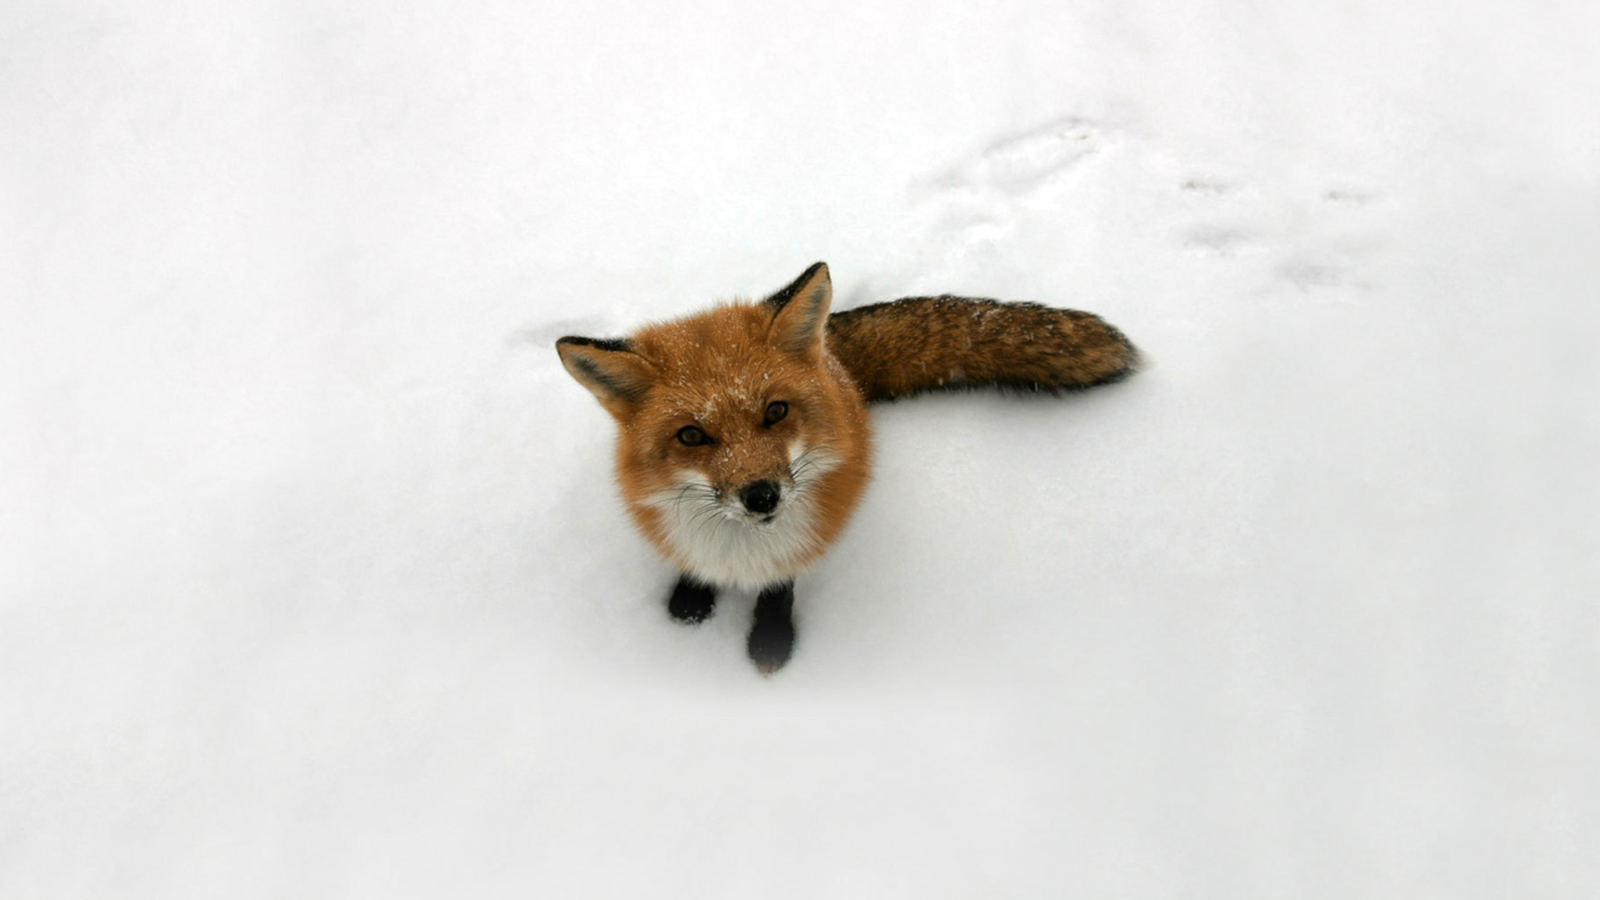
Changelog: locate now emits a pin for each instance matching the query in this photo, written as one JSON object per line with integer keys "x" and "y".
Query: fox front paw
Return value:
{"x": 771, "y": 644}
{"x": 772, "y": 636}
{"x": 692, "y": 601}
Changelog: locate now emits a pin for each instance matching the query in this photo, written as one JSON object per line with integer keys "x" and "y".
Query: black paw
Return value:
{"x": 691, "y": 600}
{"x": 771, "y": 644}
{"x": 772, "y": 636}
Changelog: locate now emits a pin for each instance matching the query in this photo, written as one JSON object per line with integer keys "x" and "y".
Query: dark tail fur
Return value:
{"x": 918, "y": 344}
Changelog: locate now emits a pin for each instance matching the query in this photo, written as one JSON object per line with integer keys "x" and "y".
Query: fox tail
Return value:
{"x": 917, "y": 344}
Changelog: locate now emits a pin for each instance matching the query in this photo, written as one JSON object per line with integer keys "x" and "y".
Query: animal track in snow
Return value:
{"x": 1225, "y": 219}
{"x": 1029, "y": 162}
{"x": 972, "y": 209}
{"x": 1308, "y": 275}
{"x": 1349, "y": 197}
{"x": 1313, "y": 239}
{"x": 1207, "y": 186}
{"x": 1221, "y": 240}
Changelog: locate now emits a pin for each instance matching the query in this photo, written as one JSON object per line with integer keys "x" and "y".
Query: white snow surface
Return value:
{"x": 313, "y": 581}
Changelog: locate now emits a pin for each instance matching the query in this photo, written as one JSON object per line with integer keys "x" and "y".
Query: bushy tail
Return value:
{"x": 918, "y": 344}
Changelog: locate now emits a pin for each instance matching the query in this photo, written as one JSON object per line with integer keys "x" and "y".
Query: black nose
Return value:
{"x": 759, "y": 496}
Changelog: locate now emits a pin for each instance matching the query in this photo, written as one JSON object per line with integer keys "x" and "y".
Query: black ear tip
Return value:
{"x": 598, "y": 344}
{"x": 808, "y": 279}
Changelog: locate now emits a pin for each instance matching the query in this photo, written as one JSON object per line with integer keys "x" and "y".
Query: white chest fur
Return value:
{"x": 718, "y": 541}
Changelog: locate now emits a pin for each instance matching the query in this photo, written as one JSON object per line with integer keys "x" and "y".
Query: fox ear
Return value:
{"x": 609, "y": 369}
{"x": 801, "y": 312}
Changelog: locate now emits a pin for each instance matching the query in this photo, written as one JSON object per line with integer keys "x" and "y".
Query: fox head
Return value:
{"x": 742, "y": 444}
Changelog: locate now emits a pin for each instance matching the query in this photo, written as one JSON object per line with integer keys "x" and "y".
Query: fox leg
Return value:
{"x": 772, "y": 635}
{"x": 692, "y": 601}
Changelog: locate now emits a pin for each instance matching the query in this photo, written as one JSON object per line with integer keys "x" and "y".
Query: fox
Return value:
{"x": 744, "y": 440}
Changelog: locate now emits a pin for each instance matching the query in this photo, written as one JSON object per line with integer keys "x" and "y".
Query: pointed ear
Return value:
{"x": 609, "y": 369}
{"x": 800, "y": 312}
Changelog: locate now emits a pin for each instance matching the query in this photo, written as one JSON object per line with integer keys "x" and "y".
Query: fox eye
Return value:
{"x": 776, "y": 411}
{"x": 690, "y": 436}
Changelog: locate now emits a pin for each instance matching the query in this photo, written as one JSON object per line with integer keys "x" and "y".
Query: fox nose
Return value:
{"x": 759, "y": 496}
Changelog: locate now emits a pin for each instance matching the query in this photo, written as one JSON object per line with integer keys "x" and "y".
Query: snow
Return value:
{"x": 312, "y": 579}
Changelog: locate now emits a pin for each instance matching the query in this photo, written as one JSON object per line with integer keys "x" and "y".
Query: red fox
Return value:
{"x": 743, "y": 437}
